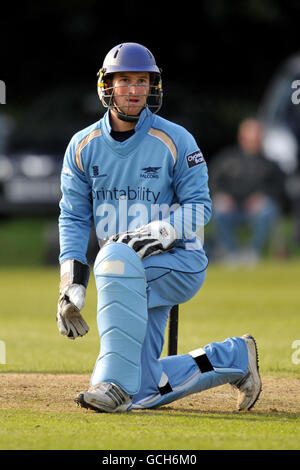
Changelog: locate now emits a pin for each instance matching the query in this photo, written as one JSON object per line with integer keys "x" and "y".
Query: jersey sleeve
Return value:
{"x": 191, "y": 189}
{"x": 75, "y": 208}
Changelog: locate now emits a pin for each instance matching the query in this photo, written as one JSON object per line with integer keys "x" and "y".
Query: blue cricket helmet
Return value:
{"x": 130, "y": 57}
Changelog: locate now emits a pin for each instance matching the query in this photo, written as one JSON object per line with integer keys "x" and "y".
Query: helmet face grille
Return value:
{"x": 153, "y": 100}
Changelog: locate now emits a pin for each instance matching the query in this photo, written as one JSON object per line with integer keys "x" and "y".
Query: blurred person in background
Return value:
{"x": 246, "y": 191}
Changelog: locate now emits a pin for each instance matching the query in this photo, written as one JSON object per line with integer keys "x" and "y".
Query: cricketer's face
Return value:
{"x": 131, "y": 90}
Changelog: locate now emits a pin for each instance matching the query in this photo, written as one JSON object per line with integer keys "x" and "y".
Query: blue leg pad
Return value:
{"x": 122, "y": 316}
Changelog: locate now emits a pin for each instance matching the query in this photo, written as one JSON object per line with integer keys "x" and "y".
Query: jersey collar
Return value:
{"x": 124, "y": 148}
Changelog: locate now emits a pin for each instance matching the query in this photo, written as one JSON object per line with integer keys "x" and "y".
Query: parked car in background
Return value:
{"x": 29, "y": 183}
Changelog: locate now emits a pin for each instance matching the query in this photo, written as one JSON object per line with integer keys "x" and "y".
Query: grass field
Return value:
{"x": 44, "y": 371}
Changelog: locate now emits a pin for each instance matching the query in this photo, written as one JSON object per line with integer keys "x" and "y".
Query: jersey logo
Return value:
{"x": 95, "y": 172}
{"x": 194, "y": 159}
{"x": 150, "y": 172}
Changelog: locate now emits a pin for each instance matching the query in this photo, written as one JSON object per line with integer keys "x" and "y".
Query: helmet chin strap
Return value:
{"x": 128, "y": 117}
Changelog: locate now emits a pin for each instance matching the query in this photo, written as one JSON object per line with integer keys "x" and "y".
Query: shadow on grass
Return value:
{"x": 237, "y": 415}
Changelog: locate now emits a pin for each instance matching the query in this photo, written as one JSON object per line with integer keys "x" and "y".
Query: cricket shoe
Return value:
{"x": 105, "y": 397}
{"x": 249, "y": 386}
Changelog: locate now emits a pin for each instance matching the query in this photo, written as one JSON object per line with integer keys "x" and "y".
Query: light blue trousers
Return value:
{"x": 172, "y": 278}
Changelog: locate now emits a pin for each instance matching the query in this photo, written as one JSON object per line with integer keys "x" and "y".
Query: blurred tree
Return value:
{"x": 217, "y": 58}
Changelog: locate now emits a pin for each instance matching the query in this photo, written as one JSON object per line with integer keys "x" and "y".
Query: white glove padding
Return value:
{"x": 69, "y": 319}
{"x": 73, "y": 283}
{"x": 151, "y": 239}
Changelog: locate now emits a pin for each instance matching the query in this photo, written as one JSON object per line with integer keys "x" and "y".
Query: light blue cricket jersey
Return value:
{"x": 123, "y": 185}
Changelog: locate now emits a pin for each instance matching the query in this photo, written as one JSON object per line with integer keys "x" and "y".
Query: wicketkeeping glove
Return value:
{"x": 151, "y": 239}
{"x": 73, "y": 284}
